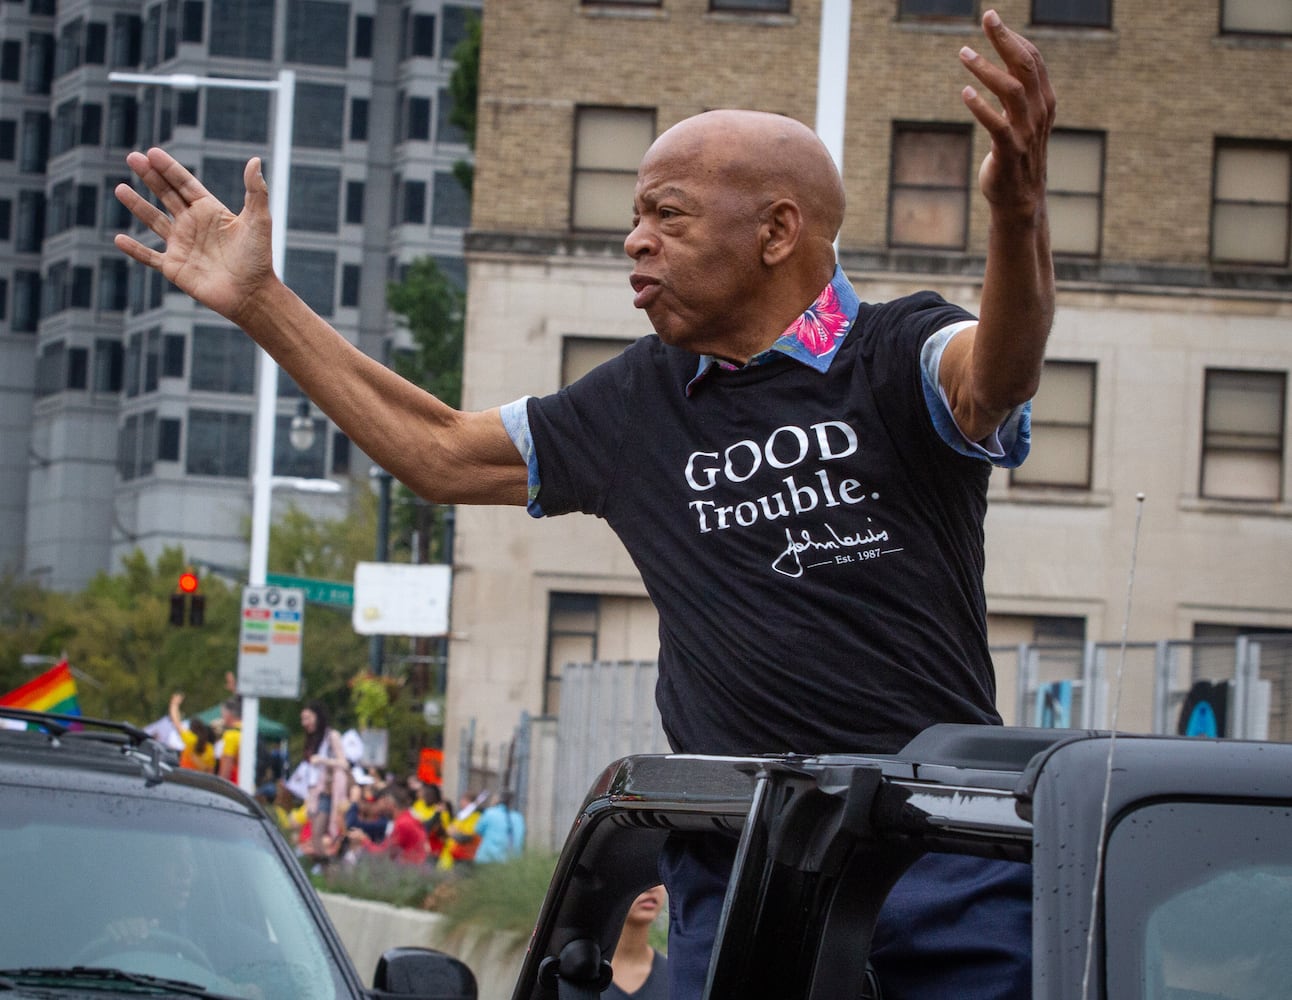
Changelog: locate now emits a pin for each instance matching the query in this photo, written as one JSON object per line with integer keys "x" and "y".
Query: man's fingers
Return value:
{"x": 177, "y": 176}
{"x": 133, "y": 248}
{"x": 156, "y": 182}
{"x": 155, "y": 219}
{"x": 1025, "y": 81}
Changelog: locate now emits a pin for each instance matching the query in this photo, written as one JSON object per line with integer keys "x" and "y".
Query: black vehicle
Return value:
{"x": 1162, "y": 866}
{"x": 122, "y": 874}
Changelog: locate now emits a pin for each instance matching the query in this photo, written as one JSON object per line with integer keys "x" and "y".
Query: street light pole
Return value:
{"x": 284, "y": 89}
{"x": 832, "y": 77}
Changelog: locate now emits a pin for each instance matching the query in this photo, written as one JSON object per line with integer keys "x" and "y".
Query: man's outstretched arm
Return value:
{"x": 988, "y": 370}
{"x": 223, "y": 261}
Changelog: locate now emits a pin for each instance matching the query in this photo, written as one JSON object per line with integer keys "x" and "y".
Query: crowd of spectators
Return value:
{"x": 336, "y": 808}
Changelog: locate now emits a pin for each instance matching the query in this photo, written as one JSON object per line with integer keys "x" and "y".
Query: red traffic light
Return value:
{"x": 188, "y": 582}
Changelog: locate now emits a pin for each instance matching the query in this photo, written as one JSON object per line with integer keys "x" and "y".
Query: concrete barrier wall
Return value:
{"x": 368, "y": 928}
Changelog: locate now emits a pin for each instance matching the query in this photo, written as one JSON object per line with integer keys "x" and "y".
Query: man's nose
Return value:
{"x": 638, "y": 241}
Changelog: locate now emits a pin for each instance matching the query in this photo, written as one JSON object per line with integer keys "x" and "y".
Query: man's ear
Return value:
{"x": 782, "y": 227}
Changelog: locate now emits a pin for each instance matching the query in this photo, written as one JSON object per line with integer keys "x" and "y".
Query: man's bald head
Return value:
{"x": 770, "y": 155}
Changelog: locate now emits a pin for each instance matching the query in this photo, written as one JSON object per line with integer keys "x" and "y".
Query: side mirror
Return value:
{"x": 423, "y": 973}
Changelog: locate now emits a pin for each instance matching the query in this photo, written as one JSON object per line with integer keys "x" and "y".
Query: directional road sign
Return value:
{"x": 333, "y": 593}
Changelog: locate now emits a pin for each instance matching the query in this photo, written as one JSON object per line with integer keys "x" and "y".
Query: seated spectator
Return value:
{"x": 405, "y": 840}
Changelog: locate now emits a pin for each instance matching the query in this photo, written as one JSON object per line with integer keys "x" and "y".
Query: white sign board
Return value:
{"x": 401, "y": 599}
{"x": 269, "y": 642}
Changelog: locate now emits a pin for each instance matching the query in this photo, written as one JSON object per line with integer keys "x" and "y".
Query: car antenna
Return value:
{"x": 1112, "y": 743}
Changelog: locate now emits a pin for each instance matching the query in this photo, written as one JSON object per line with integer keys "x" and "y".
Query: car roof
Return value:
{"x": 72, "y": 753}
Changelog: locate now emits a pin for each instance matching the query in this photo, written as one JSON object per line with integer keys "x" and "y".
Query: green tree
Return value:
{"x": 464, "y": 89}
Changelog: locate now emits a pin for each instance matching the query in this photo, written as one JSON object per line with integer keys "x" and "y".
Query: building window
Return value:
{"x": 340, "y": 454}
{"x": 417, "y": 119}
{"x": 936, "y": 9}
{"x": 1242, "y": 435}
{"x": 237, "y": 115}
{"x": 116, "y": 217}
{"x": 26, "y": 301}
{"x": 775, "y": 6}
{"x": 219, "y": 443}
{"x": 608, "y": 145}
{"x": 363, "y": 36}
{"x": 929, "y": 192}
{"x": 81, "y": 290}
{"x": 1078, "y": 13}
{"x": 244, "y": 29}
{"x": 34, "y": 151}
{"x": 452, "y": 204}
{"x": 30, "y": 232}
{"x": 11, "y": 60}
{"x": 354, "y": 194}
{"x": 1063, "y": 421}
{"x": 579, "y": 355}
{"x": 445, "y": 129}
{"x": 1074, "y": 191}
{"x": 1252, "y": 203}
{"x": 317, "y": 32}
{"x": 109, "y": 361}
{"x": 419, "y": 35}
{"x": 359, "y": 119}
{"x": 312, "y": 275}
{"x": 414, "y": 202}
{"x": 169, "y": 430}
{"x": 6, "y": 218}
{"x": 172, "y": 355}
{"x": 223, "y": 178}
{"x": 456, "y": 27}
{"x": 319, "y": 121}
{"x": 96, "y": 43}
{"x": 8, "y": 140}
{"x": 224, "y": 360}
{"x": 40, "y": 63}
{"x": 313, "y": 199}
{"x": 572, "y": 627}
{"x": 351, "y": 274}
{"x": 1256, "y": 17}
{"x": 127, "y": 40}
{"x": 123, "y": 120}
{"x": 114, "y": 284}
{"x": 193, "y": 22}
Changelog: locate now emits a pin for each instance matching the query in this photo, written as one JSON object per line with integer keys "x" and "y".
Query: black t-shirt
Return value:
{"x": 813, "y": 548}
{"x": 654, "y": 988}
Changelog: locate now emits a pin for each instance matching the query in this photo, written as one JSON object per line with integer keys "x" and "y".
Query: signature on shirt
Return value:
{"x": 789, "y": 562}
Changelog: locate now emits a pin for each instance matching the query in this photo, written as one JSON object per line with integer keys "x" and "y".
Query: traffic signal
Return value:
{"x": 187, "y": 605}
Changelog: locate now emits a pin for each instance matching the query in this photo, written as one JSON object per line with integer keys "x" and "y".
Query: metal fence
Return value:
{"x": 1233, "y": 688}
{"x": 1240, "y": 688}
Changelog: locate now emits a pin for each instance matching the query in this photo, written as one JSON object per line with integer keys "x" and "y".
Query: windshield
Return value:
{"x": 156, "y": 887}
{"x": 1200, "y": 902}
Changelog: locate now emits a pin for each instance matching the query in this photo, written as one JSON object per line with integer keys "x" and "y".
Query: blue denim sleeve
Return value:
{"x": 1007, "y": 447}
{"x": 515, "y": 419}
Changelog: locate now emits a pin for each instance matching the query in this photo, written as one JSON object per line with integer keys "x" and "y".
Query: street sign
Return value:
{"x": 401, "y": 598}
{"x": 330, "y": 592}
{"x": 269, "y": 642}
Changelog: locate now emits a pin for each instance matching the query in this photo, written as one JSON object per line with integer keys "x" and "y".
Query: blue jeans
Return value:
{"x": 953, "y": 927}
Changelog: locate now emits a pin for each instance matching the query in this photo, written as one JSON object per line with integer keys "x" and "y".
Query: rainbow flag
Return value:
{"x": 52, "y": 691}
